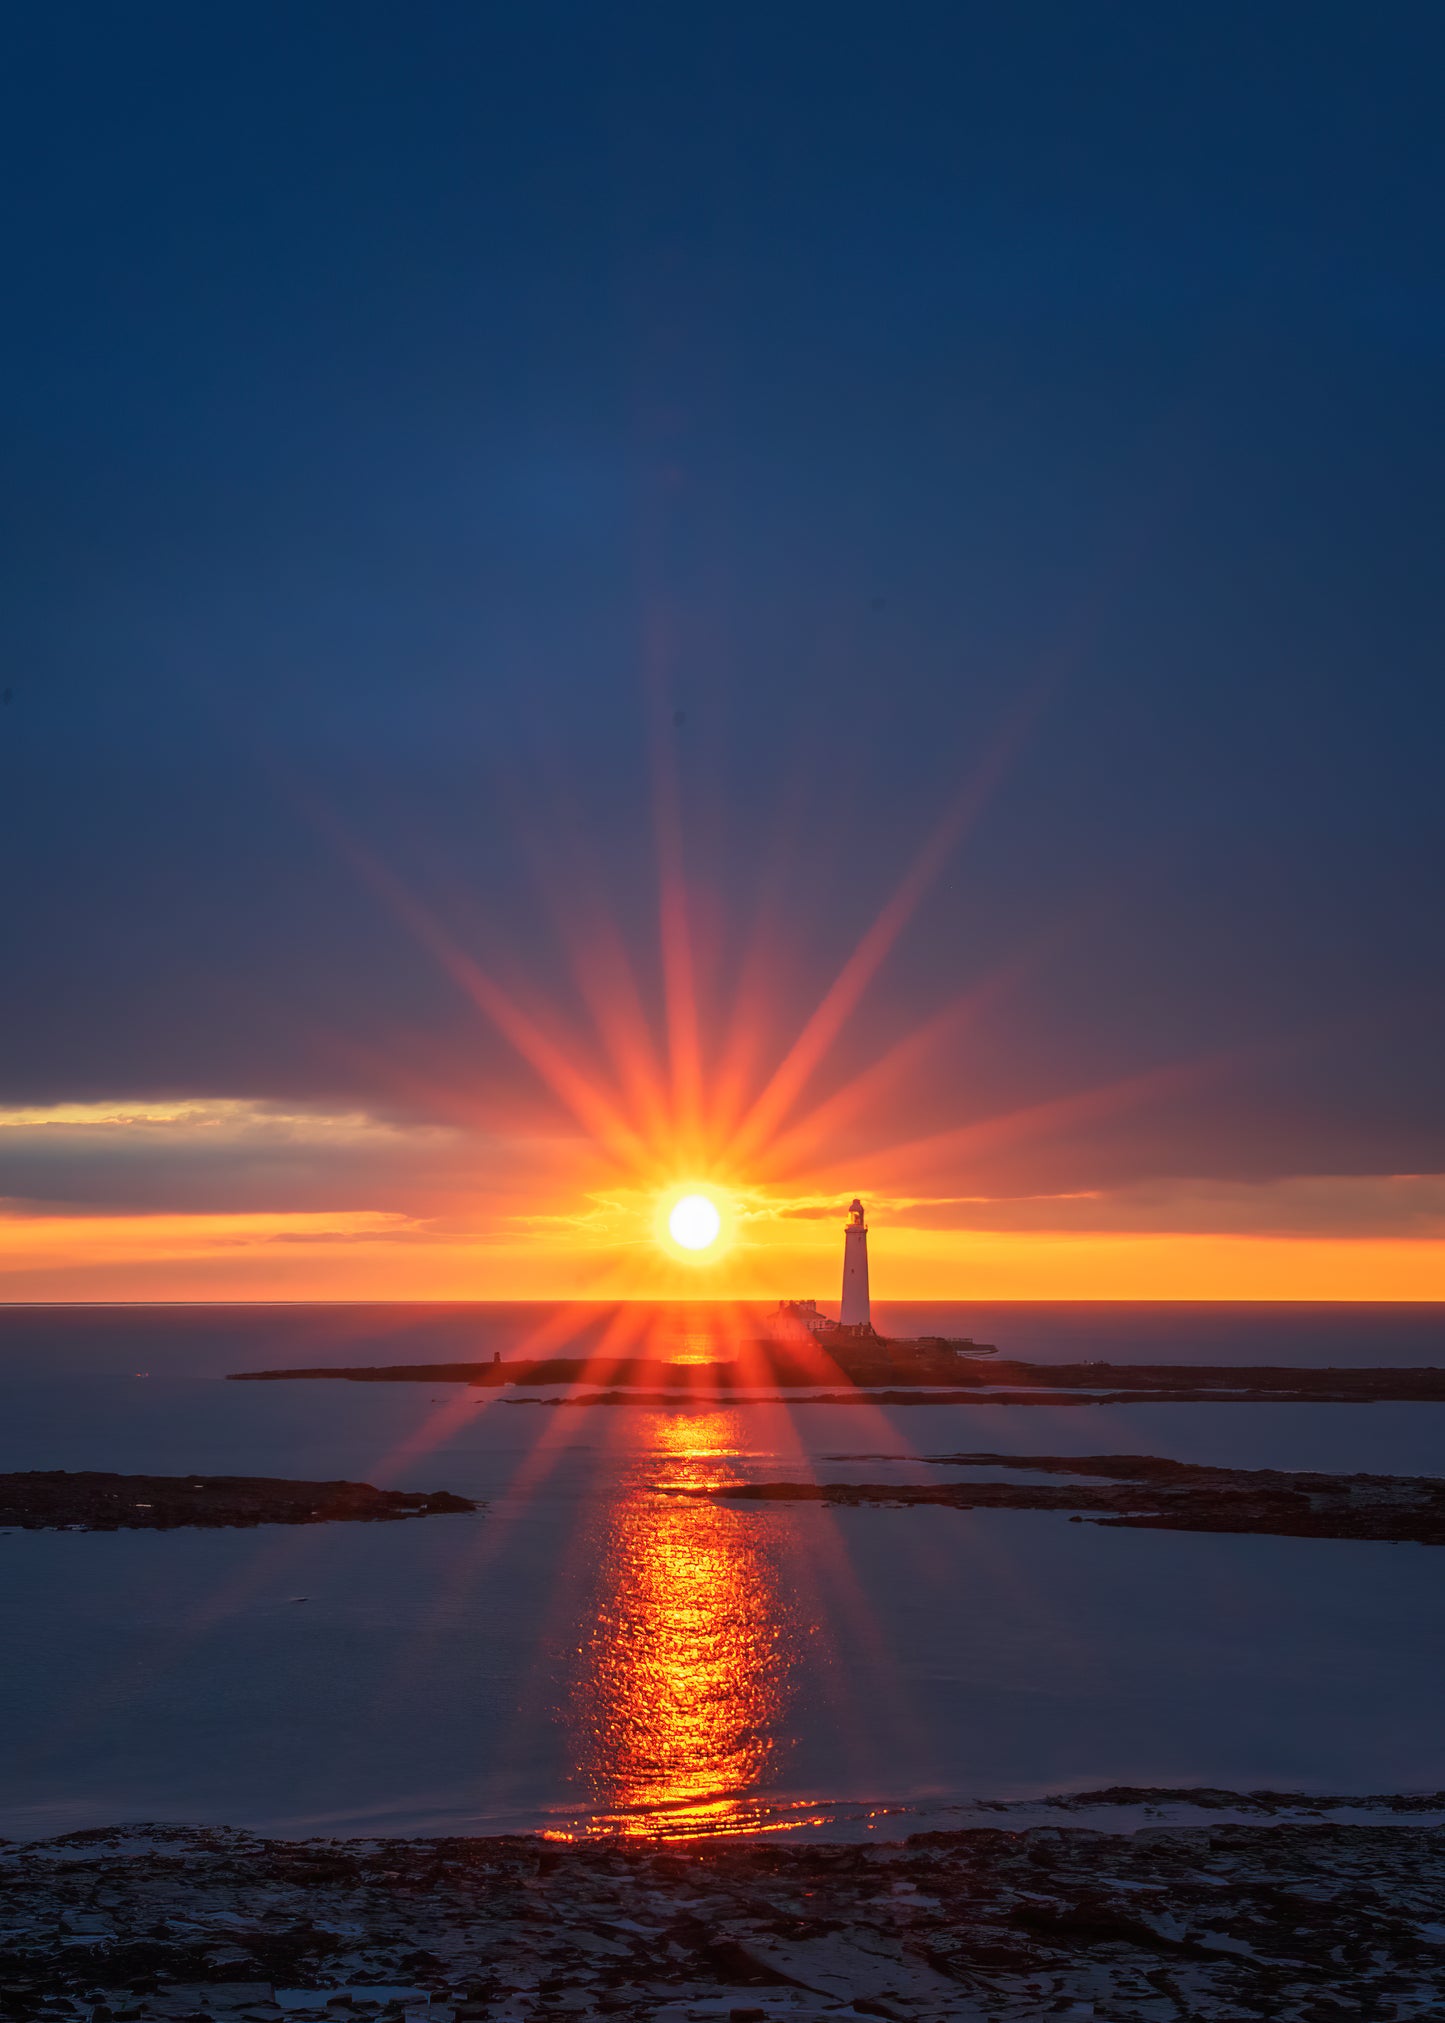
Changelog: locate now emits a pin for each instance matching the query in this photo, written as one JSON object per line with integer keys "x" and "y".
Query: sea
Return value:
{"x": 587, "y": 1654}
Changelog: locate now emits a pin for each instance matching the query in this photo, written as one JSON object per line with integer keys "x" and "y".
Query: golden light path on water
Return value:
{"x": 684, "y": 1671}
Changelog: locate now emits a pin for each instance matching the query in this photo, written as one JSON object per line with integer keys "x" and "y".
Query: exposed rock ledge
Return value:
{"x": 900, "y": 1373}
{"x": 1290, "y": 1921}
{"x": 1143, "y": 1492}
{"x": 61, "y": 1499}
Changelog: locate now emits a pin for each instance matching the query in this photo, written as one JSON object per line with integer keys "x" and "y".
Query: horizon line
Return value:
{"x": 1002, "y": 1300}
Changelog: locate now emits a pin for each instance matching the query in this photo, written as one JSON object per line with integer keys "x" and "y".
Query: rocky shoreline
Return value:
{"x": 1145, "y": 1492}
{"x": 60, "y": 1499}
{"x": 1287, "y": 1918}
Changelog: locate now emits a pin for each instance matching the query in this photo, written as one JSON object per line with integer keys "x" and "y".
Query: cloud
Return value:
{"x": 231, "y": 1119}
{"x": 1407, "y": 1206}
{"x": 242, "y": 1154}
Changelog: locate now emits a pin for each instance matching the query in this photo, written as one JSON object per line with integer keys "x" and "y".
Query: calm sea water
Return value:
{"x": 590, "y": 1654}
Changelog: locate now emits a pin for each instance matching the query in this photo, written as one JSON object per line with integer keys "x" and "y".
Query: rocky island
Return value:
{"x": 1142, "y": 1492}
{"x": 60, "y": 1499}
{"x": 870, "y": 1360}
{"x": 905, "y": 1373}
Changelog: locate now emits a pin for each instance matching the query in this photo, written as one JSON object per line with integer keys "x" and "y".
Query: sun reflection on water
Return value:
{"x": 684, "y": 1669}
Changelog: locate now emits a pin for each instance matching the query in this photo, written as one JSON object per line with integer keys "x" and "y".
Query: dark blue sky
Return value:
{"x": 416, "y": 415}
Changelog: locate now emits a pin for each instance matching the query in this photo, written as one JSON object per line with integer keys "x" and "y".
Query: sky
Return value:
{"x": 799, "y": 601}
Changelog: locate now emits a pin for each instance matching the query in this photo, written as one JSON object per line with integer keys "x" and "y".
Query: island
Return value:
{"x": 1142, "y": 1492}
{"x": 860, "y": 1357}
{"x": 61, "y": 1499}
{"x": 927, "y": 1372}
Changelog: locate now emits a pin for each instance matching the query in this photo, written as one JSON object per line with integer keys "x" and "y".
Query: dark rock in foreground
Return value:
{"x": 57, "y": 1498}
{"x": 1144, "y": 1492}
{"x": 1290, "y": 1921}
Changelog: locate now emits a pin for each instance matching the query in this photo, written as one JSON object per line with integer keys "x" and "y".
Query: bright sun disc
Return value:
{"x": 694, "y": 1222}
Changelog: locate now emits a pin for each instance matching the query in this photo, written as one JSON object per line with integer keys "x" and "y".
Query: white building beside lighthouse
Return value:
{"x": 854, "y": 1311}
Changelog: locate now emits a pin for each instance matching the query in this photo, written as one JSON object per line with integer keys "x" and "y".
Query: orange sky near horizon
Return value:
{"x": 371, "y": 1255}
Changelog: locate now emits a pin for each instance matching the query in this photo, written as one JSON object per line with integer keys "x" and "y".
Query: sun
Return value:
{"x": 694, "y": 1222}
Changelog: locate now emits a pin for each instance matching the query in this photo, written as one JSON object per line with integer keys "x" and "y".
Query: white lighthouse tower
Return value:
{"x": 855, "y": 1311}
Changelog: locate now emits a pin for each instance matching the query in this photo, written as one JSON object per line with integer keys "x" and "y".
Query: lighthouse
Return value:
{"x": 855, "y": 1312}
